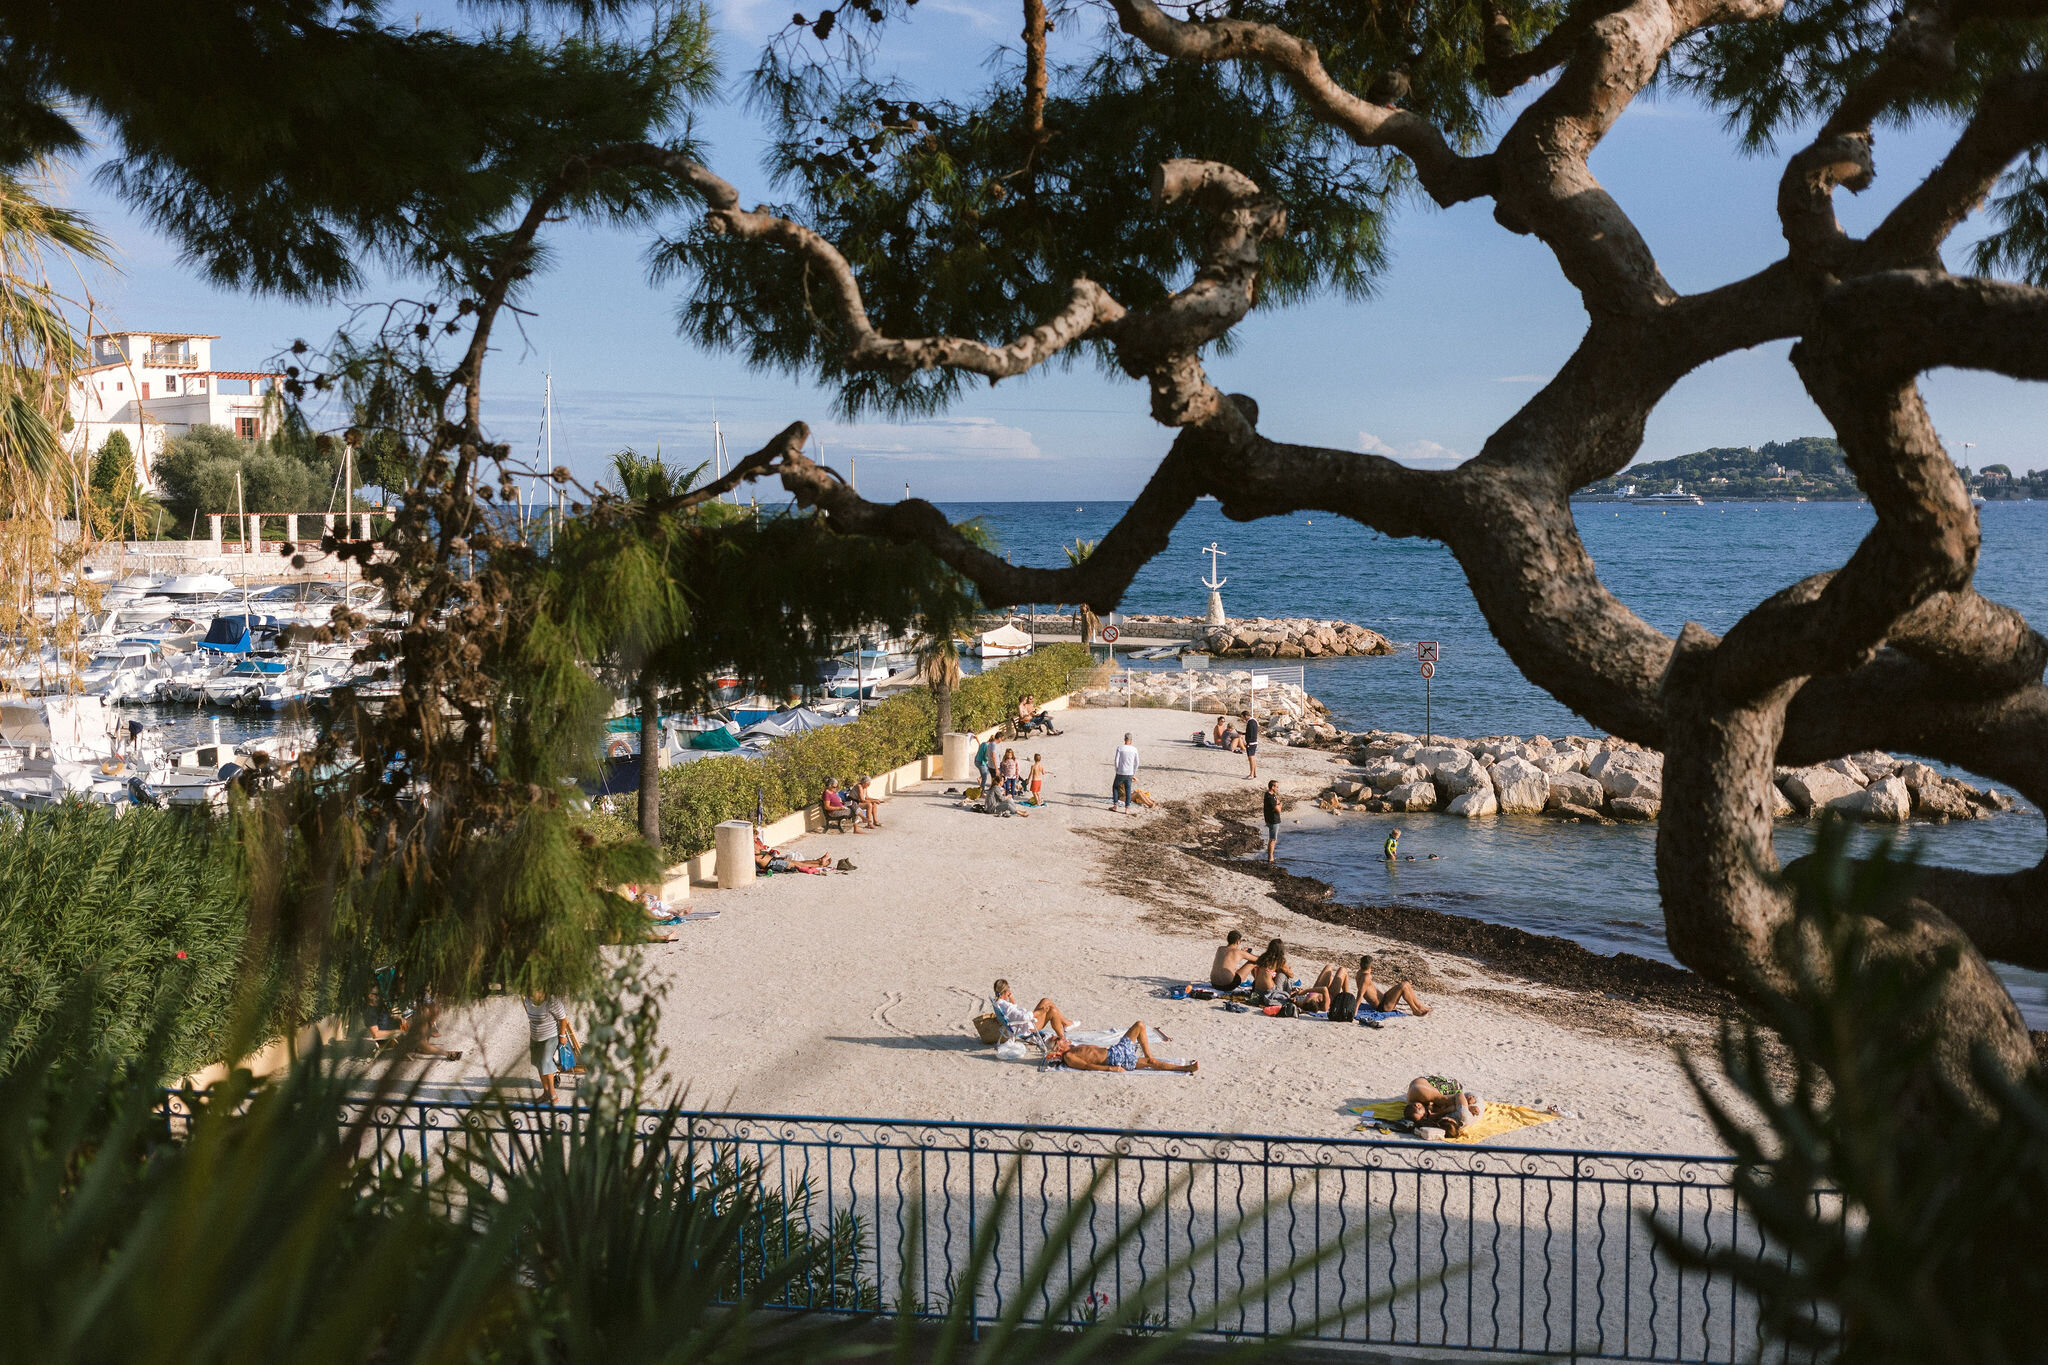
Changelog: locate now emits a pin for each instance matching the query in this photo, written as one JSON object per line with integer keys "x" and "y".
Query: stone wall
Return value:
{"x": 1294, "y": 637}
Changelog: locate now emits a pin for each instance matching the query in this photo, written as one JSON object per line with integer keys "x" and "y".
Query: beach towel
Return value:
{"x": 1367, "y": 1017}
{"x": 1498, "y": 1119}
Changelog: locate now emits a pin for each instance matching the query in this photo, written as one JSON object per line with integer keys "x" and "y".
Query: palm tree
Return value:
{"x": 1077, "y": 553}
{"x": 938, "y": 663}
{"x": 40, "y": 356}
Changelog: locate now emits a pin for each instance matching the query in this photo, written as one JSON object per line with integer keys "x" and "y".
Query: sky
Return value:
{"x": 1466, "y": 324}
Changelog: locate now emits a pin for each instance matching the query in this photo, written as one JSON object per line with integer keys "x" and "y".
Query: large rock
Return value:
{"x": 1413, "y": 796}
{"x": 1562, "y": 761}
{"x": 1575, "y": 789}
{"x": 1629, "y": 772}
{"x": 1813, "y": 789}
{"x": 1385, "y": 774}
{"x": 1475, "y": 803}
{"x": 1781, "y": 805}
{"x": 1455, "y": 772}
{"x": 1520, "y": 786}
{"x": 1634, "y": 808}
{"x": 1849, "y": 769}
{"x": 1885, "y": 801}
{"x": 1918, "y": 775}
{"x": 1585, "y": 815}
{"x": 1940, "y": 800}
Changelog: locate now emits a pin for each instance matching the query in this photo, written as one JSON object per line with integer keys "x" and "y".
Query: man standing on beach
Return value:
{"x": 1126, "y": 765}
{"x": 1251, "y": 741}
{"x": 1272, "y": 817}
{"x": 985, "y": 765}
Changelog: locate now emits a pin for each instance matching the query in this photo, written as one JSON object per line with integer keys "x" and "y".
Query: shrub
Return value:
{"x": 150, "y": 906}
{"x": 697, "y": 797}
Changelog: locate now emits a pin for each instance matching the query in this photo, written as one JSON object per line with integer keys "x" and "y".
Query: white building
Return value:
{"x": 152, "y": 386}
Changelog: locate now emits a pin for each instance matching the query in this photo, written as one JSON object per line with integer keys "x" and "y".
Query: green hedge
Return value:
{"x": 82, "y": 892}
{"x": 697, "y": 797}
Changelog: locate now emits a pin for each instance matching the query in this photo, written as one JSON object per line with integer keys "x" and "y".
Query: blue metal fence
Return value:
{"x": 1523, "y": 1250}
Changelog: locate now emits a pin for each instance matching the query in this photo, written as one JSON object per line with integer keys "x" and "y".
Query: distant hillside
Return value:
{"x": 1810, "y": 467}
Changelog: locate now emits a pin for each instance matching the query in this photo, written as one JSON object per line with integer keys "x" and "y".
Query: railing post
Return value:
{"x": 1576, "y": 1233}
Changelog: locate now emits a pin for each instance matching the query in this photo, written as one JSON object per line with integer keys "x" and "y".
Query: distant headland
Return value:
{"x": 1808, "y": 469}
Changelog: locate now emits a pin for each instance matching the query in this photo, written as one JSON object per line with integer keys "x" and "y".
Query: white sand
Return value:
{"x": 851, "y": 994}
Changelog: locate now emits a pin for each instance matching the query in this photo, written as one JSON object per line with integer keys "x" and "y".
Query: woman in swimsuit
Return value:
{"x": 1443, "y": 1102}
{"x": 1271, "y": 974}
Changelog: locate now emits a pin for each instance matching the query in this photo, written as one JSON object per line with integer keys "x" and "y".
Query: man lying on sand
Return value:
{"x": 1017, "y": 1023}
{"x": 1438, "y": 1101}
{"x": 1233, "y": 962}
{"x": 1127, "y": 1053}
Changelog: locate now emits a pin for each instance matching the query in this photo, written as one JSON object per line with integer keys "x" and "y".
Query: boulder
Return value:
{"x": 1585, "y": 815}
{"x": 1874, "y": 763}
{"x": 1629, "y": 772}
{"x": 1918, "y": 775}
{"x": 1413, "y": 796}
{"x": 1475, "y": 803}
{"x": 1520, "y": 786}
{"x": 1939, "y": 800}
{"x": 1781, "y": 805}
{"x": 1575, "y": 789}
{"x": 1562, "y": 761}
{"x": 1458, "y": 773}
{"x": 1813, "y": 789}
{"x": 1885, "y": 802}
{"x": 1385, "y": 774}
{"x": 1848, "y": 769}
{"x": 1346, "y": 787}
{"x": 1634, "y": 808}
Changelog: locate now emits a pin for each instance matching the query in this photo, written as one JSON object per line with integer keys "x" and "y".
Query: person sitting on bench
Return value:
{"x": 838, "y": 811}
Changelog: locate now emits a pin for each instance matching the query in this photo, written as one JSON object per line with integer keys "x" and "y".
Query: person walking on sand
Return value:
{"x": 548, "y": 1024}
{"x": 1233, "y": 962}
{"x": 1038, "y": 779}
{"x": 1125, "y": 763}
{"x": 1272, "y": 818}
{"x": 1128, "y": 1053}
{"x": 1251, "y": 741}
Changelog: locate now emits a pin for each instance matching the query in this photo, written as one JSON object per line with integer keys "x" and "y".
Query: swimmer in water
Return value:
{"x": 1393, "y": 852}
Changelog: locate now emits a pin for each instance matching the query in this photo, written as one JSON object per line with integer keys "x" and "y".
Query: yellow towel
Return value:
{"x": 1499, "y": 1118}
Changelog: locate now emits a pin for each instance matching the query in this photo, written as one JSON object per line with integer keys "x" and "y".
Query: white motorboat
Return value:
{"x": 1004, "y": 642}
{"x": 66, "y": 748}
{"x": 195, "y": 587}
{"x": 243, "y": 684}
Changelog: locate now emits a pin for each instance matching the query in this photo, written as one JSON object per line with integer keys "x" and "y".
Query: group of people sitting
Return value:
{"x": 1047, "y": 1026}
{"x": 859, "y": 802}
{"x": 1336, "y": 989}
{"x": 1004, "y": 779}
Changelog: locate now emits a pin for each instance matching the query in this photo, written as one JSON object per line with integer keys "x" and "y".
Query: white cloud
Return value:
{"x": 1421, "y": 454}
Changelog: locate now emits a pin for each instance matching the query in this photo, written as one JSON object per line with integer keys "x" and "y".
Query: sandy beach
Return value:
{"x": 852, "y": 994}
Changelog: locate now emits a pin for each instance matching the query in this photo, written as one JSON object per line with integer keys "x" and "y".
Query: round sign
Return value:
{"x": 1429, "y": 670}
{"x": 1109, "y": 634}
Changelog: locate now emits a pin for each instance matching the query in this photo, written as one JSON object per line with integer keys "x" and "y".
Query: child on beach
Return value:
{"x": 1013, "y": 782}
{"x": 1038, "y": 779}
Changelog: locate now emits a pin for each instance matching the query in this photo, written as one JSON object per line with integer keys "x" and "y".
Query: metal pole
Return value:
{"x": 1428, "y": 725}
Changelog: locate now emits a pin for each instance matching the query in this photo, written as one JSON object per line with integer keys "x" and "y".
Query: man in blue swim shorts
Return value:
{"x": 1127, "y": 1053}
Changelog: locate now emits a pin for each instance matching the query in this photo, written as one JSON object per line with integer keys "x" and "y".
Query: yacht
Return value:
{"x": 1677, "y": 497}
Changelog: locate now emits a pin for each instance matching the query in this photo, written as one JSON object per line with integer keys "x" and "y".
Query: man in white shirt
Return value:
{"x": 1126, "y": 765}
{"x": 1021, "y": 1023}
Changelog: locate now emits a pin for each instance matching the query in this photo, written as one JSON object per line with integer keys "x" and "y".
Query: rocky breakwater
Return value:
{"x": 1287, "y": 714}
{"x": 1294, "y": 638}
{"x": 1605, "y": 780}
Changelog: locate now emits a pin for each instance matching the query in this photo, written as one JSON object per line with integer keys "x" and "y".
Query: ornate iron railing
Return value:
{"x": 1523, "y": 1250}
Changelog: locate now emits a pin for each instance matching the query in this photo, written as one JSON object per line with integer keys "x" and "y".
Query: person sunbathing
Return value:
{"x": 1128, "y": 1053}
{"x": 1233, "y": 962}
{"x": 1439, "y": 1101}
{"x": 775, "y": 860}
{"x": 1019, "y": 1023}
{"x": 1271, "y": 974}
{"x": 867, "y": 803}
{"x": 1332, "y": 982}
{"x": 1388, "y": 1000}
{"x": 1029, "y": 717}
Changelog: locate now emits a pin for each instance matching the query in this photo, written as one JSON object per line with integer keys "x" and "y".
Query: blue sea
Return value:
{"x": 1671, "y": 565}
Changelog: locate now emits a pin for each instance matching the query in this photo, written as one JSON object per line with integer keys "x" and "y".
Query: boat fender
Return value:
{"x": 619, "y": 747}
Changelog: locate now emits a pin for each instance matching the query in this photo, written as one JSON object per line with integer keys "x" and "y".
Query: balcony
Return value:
{"x": 169, "y": 358}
